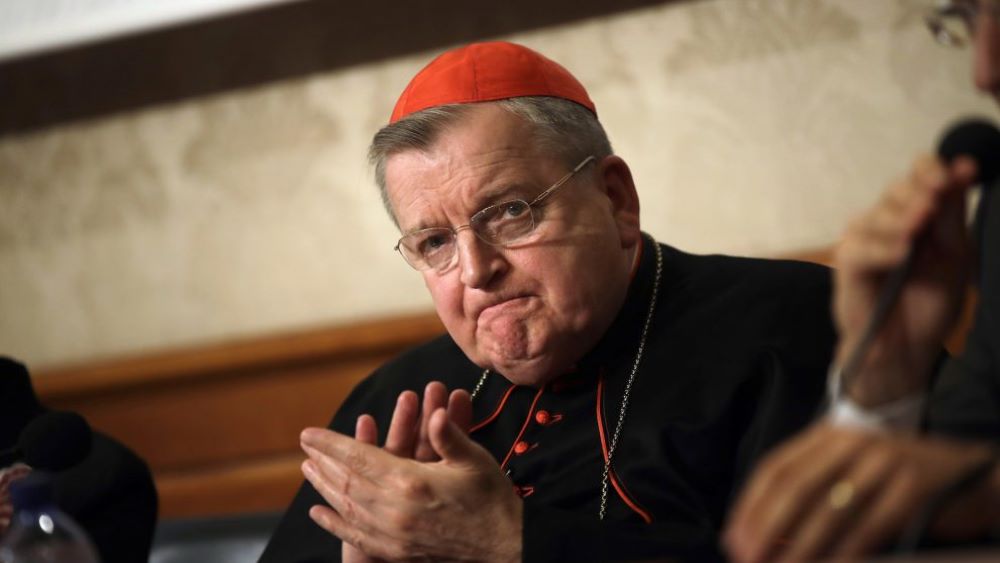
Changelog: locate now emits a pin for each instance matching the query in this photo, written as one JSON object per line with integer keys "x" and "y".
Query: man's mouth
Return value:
{"x": 503, "y": 306}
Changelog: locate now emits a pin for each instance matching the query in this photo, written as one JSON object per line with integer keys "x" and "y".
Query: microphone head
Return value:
{"x": 978, "y": 139}
{"x": 56, "y": 441}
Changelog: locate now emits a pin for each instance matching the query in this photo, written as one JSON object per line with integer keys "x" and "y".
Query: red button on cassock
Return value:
{"x": 542, "y": 417}
{"x": 520, "y": 447}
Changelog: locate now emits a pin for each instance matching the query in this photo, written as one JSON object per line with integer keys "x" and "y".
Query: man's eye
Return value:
{"x": 432, "y": 244}
{"x": 513, "y": 209}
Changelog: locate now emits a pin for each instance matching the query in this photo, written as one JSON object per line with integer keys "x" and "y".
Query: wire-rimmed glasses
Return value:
{"x": 499, "y": 224}
{"x": 952, "y": 22}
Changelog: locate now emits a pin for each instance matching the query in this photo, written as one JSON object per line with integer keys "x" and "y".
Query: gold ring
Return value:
{"x": 841, "y": 494}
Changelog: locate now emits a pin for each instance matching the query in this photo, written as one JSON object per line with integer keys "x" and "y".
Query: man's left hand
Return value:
{"x": 461, "y": 507}
{"x": 840, "y": 493}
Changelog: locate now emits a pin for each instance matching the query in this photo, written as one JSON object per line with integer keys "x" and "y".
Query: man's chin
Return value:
{"x": 527, "y": 371}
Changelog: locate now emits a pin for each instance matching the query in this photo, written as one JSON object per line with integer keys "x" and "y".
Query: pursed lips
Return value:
{"x": 496, "y": 302}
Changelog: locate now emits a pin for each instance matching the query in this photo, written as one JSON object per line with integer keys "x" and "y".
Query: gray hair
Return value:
{"x": 561, "y": 127}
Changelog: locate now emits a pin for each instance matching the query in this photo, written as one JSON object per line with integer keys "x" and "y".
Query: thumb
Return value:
{"x": 949, "y": 228}
{"x": 449, "y": 441}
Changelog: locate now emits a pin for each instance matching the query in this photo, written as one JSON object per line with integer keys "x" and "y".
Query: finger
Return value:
{"x": 766, "y": 478}
{"x": 788, "y": 487}
{"x": 901, "y": 215}
{"x": 947, "y": 186}
{"x": 366, "y": 430}
{"x": 460, "y": 409}
{"x": 888, "y": 512}
{"x": 864, "y": 251}
{"x": 934, "y": 174}
{"x": 402, "y": 436}
{"x": 451, "y": 443}
{"x": 357, "y": 488}
{"x": 322, "y": 485}
{"x": 929, "y": 174}
{"x": 824, "y": 524}
{"x": 334, "y": 523}
{"x": 435, "y": 397}
{"x": 963, "y": 172}
{"x": 356, "y": 458}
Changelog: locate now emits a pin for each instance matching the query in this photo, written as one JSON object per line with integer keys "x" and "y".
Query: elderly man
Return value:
{"x": 608, "y": 392}
{"x": 843, "y": 492}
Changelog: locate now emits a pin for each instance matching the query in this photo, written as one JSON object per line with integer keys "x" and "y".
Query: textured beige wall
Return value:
{"x": 752, "y": 126}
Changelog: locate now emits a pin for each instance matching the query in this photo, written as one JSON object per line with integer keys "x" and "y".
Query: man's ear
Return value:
{"x": 624, "y": 200}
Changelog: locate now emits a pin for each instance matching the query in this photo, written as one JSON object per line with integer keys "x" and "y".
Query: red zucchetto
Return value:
{"x": 484, "y": 72}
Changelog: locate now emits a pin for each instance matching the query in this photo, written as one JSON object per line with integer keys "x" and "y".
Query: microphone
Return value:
{"x": 54, "y": 441}
{"x": 976, "y": 138}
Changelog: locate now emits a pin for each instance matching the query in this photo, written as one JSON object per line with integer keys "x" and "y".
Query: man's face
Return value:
{"x": 530, "y": 309}
{"x": 986, "y": 49}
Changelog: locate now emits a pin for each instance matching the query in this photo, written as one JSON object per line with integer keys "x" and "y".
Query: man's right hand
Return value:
{"x": 926, "y": 211}
{"x": 408, "y": 436}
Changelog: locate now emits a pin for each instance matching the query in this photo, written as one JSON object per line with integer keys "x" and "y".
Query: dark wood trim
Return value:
{"x": 220, "y": 359}
{"x": 261, "y": 46}
{"x": 219, "y": 424}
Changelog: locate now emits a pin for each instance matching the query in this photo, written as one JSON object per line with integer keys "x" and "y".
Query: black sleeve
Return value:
{"x": 966, "y": 400}
{"x": 789, "y": 390}
{"x": 298, "y": 539}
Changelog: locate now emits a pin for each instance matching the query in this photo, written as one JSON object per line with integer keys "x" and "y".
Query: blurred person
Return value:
{"x": 598, "y": 395}
{"x": 857, "y": 481}
{"x": 107, "y": 489}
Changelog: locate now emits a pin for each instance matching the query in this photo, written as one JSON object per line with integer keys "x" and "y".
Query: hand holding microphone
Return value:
{"x": 902, "y": 269}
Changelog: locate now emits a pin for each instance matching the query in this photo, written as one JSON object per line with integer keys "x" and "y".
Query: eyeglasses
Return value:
{"x": 952, "y": 22}
{"x": 496, "y": 225}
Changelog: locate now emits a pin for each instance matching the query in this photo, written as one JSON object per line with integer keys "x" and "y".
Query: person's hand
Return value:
{"x": 7, "y": 476}
{"x": 841, "y": 493}
{"x": 407, "y": 436}
{"x": 928, "y": 205}
{"x": 389, "y": 507}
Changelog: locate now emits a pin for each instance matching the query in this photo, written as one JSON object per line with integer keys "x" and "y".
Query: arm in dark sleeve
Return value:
{"x": 791, "y": 385}
{"x": 966, "y": 400}
{"x": 297, "y": 539}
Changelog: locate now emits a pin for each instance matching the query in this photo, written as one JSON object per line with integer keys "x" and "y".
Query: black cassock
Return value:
{"x": 735, "y": 361}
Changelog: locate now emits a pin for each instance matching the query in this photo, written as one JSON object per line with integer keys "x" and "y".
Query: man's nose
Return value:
{"x": 480, "y": 263}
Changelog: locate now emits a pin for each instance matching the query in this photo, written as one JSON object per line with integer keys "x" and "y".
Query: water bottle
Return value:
{"x": 39, "y": 531}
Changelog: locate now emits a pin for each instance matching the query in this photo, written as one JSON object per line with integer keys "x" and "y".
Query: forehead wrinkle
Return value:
{"x": 481, "y": 181}
{"x": 474, "y": 161}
